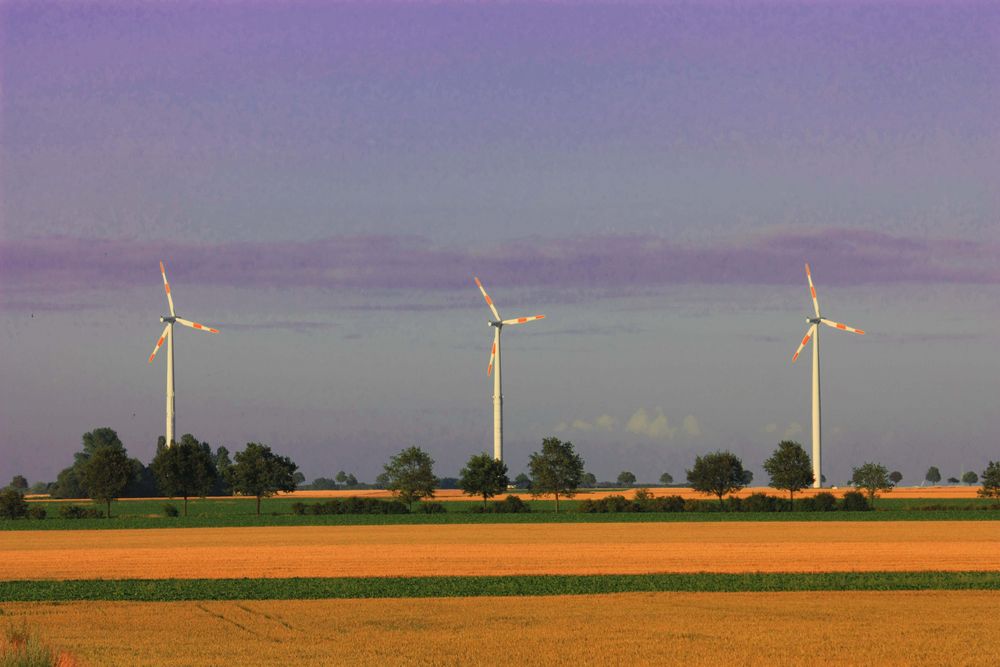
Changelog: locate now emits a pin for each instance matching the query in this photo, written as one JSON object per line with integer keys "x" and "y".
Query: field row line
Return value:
{"x": 167, "y": 590}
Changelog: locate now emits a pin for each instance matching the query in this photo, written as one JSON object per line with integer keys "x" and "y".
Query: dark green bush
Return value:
{"x": 431, "y": 508}
{"x": 170, "y": 510}
{"x": 77, "y": 512}
{"x": 509, "y": 505}
{"x": 351, "y": 505}
{"x": 12, "y": 504}
{"x": 696, "y": 505}
{"x": 761, "y": 502}
{"x": 36, "y": 511}
{"x": 854, "y": 501}
{"x": 824, "y": 501}
{"x": 666, "y": 504}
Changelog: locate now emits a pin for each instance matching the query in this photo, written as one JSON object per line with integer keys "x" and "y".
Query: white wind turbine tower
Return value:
{"x": 813, "y": 333}
{"x": 498, "y": 324}
{"x": 168, "y": 335}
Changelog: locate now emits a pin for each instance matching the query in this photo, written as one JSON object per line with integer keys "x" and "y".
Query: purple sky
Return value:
{"x": 322, "y": 181}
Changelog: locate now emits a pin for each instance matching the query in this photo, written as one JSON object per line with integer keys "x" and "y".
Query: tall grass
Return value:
{"x": 20, "y": 647}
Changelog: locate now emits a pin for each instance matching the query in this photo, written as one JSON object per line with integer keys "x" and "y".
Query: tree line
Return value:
{"x": 103, "y": 471}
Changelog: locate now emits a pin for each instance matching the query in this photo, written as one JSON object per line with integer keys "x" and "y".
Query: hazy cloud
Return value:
{"x": 691, "y": 426}
{"x": 845, "y": 256}
{"x": 653, "y": 426}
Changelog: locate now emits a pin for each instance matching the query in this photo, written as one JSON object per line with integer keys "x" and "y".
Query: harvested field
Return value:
{"x": 893, "y": 628}
{"x": 905, "y": 492}
{"x": 500, "y": 549}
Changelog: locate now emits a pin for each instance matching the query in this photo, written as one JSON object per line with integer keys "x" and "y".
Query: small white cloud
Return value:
{"x": 561, "y": 427}
{"x": 657, "y": 428}
{"x": 580, "y": 425}
{"x": 606, "y": 422}
{"x": 771, "y": 428}
{"x": 691, "y": 426}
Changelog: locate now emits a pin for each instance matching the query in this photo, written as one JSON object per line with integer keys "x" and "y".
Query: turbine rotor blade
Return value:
{"x": 809, "y": 334}
{"x": 842, "y": 327}
{"x": 522, "y": 320}
{"x": 493, "y": 354}
{"x": 159, "y": 343}
{"x": 166, "y": 286}
{"x": 812, "y": 290}
{"x": 195, "y": 325}
{"x": 489, "y": 301}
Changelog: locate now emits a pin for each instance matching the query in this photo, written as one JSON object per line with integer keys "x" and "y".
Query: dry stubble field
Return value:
{"x": 500, "y": 549}
{"x": 841, "y": 628}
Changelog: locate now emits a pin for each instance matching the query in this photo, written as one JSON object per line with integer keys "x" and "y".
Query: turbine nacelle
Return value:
{"x": 168, "y": 320}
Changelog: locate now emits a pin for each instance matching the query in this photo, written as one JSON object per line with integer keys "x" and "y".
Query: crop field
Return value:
{"x": 463, "y": 550}
{"x": 894, "y": 628}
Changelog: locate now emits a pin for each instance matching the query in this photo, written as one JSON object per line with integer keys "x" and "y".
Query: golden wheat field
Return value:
{"x": 500, "y": 549}
{"x": 839, "y": 628}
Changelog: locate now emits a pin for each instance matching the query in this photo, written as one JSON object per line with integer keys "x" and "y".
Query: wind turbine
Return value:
{"x": 168, "y": 335}
{"x": 813, "y": 333}
{"x": 498, "y": 324}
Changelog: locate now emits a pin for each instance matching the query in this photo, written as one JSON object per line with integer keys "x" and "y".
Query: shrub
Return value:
{"x": 762, "y": 502}
{"x": 77, "y": 512}
{"x": 824, "y": 501}
{"x": 351, "y": 505}
{"x": 509, "y": 505}
{"x": 12, "y": 504}
{"x": 854, "y": 501}
{"x": 667, "y": 504}
{"x": 694, "y": 505}
{"x": 431, "y": 508}
{"x": 37, "y": 512}
{"x": 170, "y": 510}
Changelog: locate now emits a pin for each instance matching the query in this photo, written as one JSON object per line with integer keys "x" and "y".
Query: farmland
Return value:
{"x": 504, "y": 549}
{"x": 641, "y": 628}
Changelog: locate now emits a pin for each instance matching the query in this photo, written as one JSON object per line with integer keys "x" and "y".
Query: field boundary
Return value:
{"x": 170, "y": 590}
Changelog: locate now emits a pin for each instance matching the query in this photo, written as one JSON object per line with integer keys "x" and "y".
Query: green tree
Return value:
{"x": 410, "y": 475}
{"x": 895, "y": 477}
{"x": 953, "y": 480}
{"x": 588, "y": 480}
{"x": 747, "y": 477}
{"x": 626, "y": 478}
{"x": 351, "y": 481}
{"x": 991, "y": 481}
{"x": 105, "y": 473}
{"x": 522, "y": 481}
{"x": 483, "y": 476}
{"x": 12, "y": 504}
{"x": 970, "y": 477}
{"x": 67, "y": 484}
{"x": 323, "y": 484}
{"x": 341, "y": 477}
{"x": 261, "y": 473}
{"x": 184, "y": 470}
{"x": 99, "y": 438}
{"x": 19, "y": 483}
{"x": 666, "y": 479}
{"x": 872, "y": 477}
{"x": 222, "y": 464}
{"x": 556, "y": 470}
{"x": 789, "y": 468}
{"x": 933, "y": 475}
{"x": 717, "y": 473}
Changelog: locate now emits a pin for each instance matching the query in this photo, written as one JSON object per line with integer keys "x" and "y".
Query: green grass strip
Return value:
{"x": 163, "y": 590}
